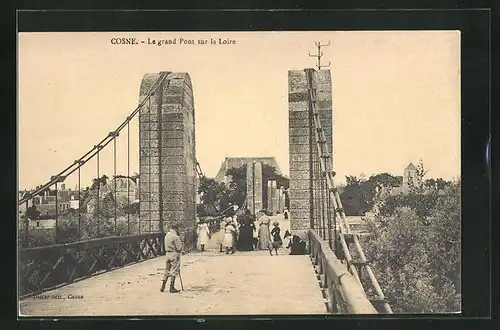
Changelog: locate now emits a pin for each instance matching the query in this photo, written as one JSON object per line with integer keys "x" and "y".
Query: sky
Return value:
{"x": 396, "y": 97}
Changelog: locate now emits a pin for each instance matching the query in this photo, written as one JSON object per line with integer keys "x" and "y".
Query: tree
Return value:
{"x": 214, "y": 197}
{"x": 99, "y": 182}
{"x": 133, "y": 208}
{"x": 357, "y": 196}
{"x": 384, "y": 180}
{"x": 237, "y": 185}
{"x": 416, "y": 257}
{"x": 421, "y": 171}
{"x": 32, "y": 212}
{"x": 438, "y": 184}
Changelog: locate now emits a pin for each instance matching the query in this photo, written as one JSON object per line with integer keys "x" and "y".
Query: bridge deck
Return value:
{"x": 214, "y": 283}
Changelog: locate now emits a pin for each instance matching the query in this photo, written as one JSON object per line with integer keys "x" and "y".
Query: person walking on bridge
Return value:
{"x": 173, "y": 248}
{"x": 229, "y": 234}
{"x": 264, "y": 233}
{"x": 203, "y": 234}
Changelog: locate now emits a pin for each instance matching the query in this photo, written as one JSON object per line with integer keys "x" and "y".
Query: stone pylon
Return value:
{"x": 167, "y": 154}
{"x": 254, "y": 187}
{"x": 281, "y": 199}
{"x": 304, "y": 161}
{"x": 274, "y": 197}
{"x": 271, "y": 196}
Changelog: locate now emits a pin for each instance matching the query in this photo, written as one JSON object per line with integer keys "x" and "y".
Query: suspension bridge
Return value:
{"x": 118, "y": 272}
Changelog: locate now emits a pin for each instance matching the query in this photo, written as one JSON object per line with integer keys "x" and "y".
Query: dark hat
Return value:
{"x": 276, "y": 223}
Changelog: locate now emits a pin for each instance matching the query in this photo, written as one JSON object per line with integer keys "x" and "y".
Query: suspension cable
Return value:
{"x": 344, "y": 228}
{"x": 92, "y": 152}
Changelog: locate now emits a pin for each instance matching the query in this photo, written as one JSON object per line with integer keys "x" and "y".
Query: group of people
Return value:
{"x": 240, "y": 232}
{"x": 243, "y": 232}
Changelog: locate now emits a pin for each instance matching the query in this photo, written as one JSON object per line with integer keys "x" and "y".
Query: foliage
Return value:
{"x": 32, "y": 212}
{"x": 417, "y": 256}
{"x": 133, "y": 208}
{"x": 421, "y": 171}
{"x": 99, "y": 182}
{"x": 436, "y": 183}
{"x": 237, "y": 185}
{"x": 354, "y": 198}
{"x": 214, "y": 197}
{"x": 421, "y": 202}
{"x": 358, "y": 195}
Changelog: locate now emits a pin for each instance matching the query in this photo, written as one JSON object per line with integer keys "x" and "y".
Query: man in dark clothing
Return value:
{"x": 297, "y": 246}
{"x": 173, "y": 248}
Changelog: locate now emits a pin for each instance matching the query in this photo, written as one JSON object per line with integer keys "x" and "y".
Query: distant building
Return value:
{"x": 410, "y": 177}
{"x": 126, "y": 190}
{"x": 236, "y": 162}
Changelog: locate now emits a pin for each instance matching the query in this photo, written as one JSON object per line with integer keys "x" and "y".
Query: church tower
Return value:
{"x": 410, "y": 177}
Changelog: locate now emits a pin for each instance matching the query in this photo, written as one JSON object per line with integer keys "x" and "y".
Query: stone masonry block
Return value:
{"x": 176, "y": 205}
{"x": 171, "y": 109}
{"x": 296, "y": 81}
{"x": 173, "y": 196}
{"x": 172, "y": 99}
{"x": 299, "y": 157}
{"x": 168, "y": 117}
{"x": 296, "y": 123}
{"x": 298, "y": 140}
{"x": 323, "y": 96}
{"x": 172, "y": 143}
{"x": 299, "y": 149}
{"x": 300, "y": 175}
{"x": 173, "y": 169}
{"x": 173, "y": 151}
{"x": 322, "y": 77}
{"x": 298, "y": 97}
{"x": 298, "y": 131}
{"x": 324, "y": 105}
{"x": 173, "y": 160}
{"x": 299, "y": 166}
{"x": 299, "y": 115}
{"x": 174, "y": 215}
{"x": 173, "y": 178}
{"x": 298, "y": 106}
{"x": 298, "y": 184}
{"x": 171, "y": 134}
{"x": 299, "y": 194}
{"x": 299, "y": 204}
{"x": 299, "y": 224}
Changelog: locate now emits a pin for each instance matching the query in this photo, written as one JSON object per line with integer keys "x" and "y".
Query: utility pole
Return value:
{"x": 320, "y": 54}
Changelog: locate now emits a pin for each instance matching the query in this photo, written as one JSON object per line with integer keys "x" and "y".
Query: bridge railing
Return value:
{"x": 47, "y": 267}
{"x": 344, "y": 293}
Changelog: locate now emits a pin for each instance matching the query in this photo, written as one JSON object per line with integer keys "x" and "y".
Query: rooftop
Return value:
{"x": 411, "y": 167}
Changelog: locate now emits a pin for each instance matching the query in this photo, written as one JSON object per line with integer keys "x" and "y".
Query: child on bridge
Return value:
{"x": 277, "y": 242}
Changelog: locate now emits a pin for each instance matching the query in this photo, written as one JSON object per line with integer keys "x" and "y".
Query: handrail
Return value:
{"x": 82, "y": 245}
{"x": 46, "y": 267}
{"x": 326, "y": 167}
{"x": 344, "y": 292}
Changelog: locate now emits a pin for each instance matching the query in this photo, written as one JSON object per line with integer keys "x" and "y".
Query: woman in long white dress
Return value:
{"x": 203, "y": 234}
{"x": 229, "y": 237}
{"x": 264, "y": 232}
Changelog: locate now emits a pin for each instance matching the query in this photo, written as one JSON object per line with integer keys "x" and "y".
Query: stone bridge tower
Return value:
{"x": 168, "y": 186}
{"x": 302, "y": 142}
